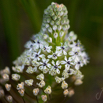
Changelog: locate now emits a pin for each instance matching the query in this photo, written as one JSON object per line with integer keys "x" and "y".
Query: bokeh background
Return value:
{"x": 19, "y": 19}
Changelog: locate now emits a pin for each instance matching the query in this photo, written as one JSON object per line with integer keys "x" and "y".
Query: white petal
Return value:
{"x": 65, "y": 58}
{"x": 58, "y": 71}
{"x": 53, "y": 62}
{"x": 49, "y": 56}
{"x": 64, "y": 52}
{"x": 48, "y": 65}
{"x": 57, "y": 63}
{"x": 41, "y": 67}
{"x": 77, "y": 67}
{"x": 63, "y": 62}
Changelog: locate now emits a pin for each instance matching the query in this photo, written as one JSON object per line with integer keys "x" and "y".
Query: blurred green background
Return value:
{"x": 19, "y": 19}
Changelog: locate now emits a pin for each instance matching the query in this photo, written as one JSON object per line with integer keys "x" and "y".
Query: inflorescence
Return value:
{"x": 51, "y": 58}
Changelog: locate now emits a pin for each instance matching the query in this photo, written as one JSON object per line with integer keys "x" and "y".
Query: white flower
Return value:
{"x": 21, "y": 91}
{"x": 45, "y": 65}
{"x": 72, "y": 36}
{"x": 61, "y": 49}
{"x": 68, "y": 62}
{"x": 48, "y": 90}
{"x": 84, "y": 57}
{"x": 71, "y": 92}
{"x": 5, "y": 77}
{"x": 8, "y": 87}
{"x": 35, "y": 91}
{"x": 5, "y": 71}
{"x": 75, "y": 55}
{"x": 46, "y": 49}
{"x": 44, "y": 97}
{"x": 55, "y": 68}
{"x": 55, "y": 55}
{"x": 37, "y": 56}
{"x": 64, "y": 85}
{"x": 78, "y": 64}
{"x": 40, "y": 76}
{"x": 9, "y": 99}
{"x": 15, "y": 77}
{"x": 2, "y": 93}
{"x": 58, "y": 79}
{"x": 78, "y": 82}
{"x": 65, "y": 92}
{"x": 35, "y": 63}
{"x": 28, "y": 45}
{"x": 18, "y": 69}
{"x": 31, "y": 70}
{"x": 41, "y": 84}
{"x": 20, "y": 86}
{"x": 29, "y": 82}
{"x": 78, "y": 74}
{"x": 37, "y": 45}
{"x": 76, "y": 45}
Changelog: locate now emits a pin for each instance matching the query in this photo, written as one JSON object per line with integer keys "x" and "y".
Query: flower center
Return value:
{"x": 62, "y": 47}
{"x": 78, "y": 62}
{"x": 76, "y": 53}
{"x": 38, "y": 42}
{"x": 55, "y": 66}
{"x": 36, "y": 55}
{"x": 44, "y": 48}
{"x": 68, "y": 62}
{"x": 44, "y": 64}
{"x": 69, "y": 71}
{"x": 54, "y": 55}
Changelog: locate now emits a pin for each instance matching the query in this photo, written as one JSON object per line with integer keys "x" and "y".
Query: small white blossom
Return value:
{"x": 46, "y": 49}
{"x": 5, "y": 77}
{"x": 15, "y": 77}
{"x": 55, "y": 34}
{"x": 78, "y": 64}
{"x": 58, "y": 79}
{"x": 55, "y": 68}
{"x": 31, "y": 70}
{"x": 65, "y": 92}
{"x": 48, "y": 90}
{"x": 35, "y": 63}
{"x": 40, "y": 77}
{"x": 72, "y": 37}
{"x": 78, "y": 82}
{"x": 18, "y": 69}
{"x": 68, "y": 62}
{"x": 71, "y": 93}
{"x": 45, "y": 65}
{"x": 41, "y": 84}
{"x": 44, "y": 98}
{"x": 64, "y": 85}
{"x": 5, "y": 71}
{"x": 55, "y": 55}
{"x": 21, "y": 91}
{"x": 29, "y": 82}
{"x": 75, "y": 55}
{"x": 20, "y": 86}
{"x": 2, "y": 93}
{"x": 61, "y": 49}
{"x": 9, "y": 99}
{"x": 75, "y": 45}
{"x": 35, "y": 91}
{"x": 37, "y": 56}
{"x": 28, "y": 45}
{"x": 37, "y": 45}
{"x": 8, "y": 87}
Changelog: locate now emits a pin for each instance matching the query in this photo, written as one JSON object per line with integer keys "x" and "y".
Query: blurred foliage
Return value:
{"x": 19, "y": 19}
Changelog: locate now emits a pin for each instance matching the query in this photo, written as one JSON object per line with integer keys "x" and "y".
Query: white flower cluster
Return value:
{"x": 53, "y": 52}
